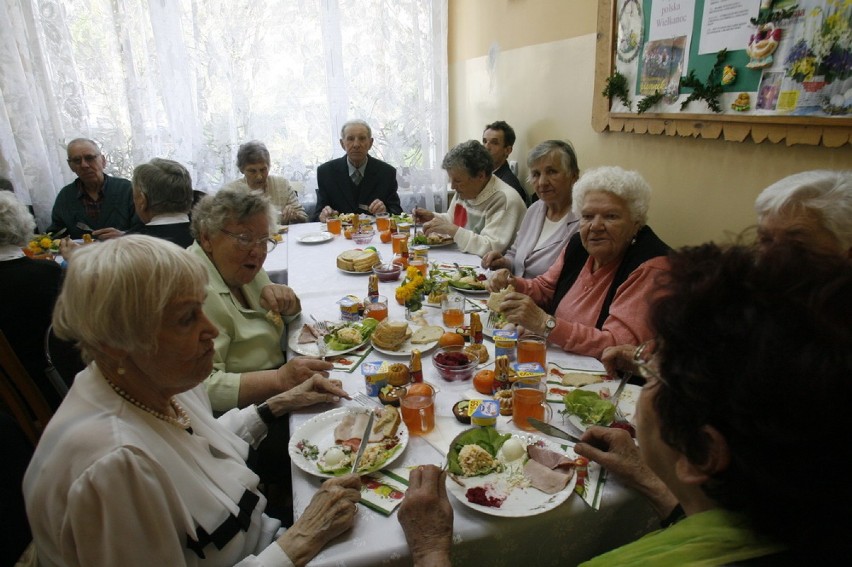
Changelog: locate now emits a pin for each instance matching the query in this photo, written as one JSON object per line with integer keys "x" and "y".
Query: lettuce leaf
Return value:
{"x": 589, "y": 407}
{"x": 485, "y": 437}
{"x": 365, "y": 327}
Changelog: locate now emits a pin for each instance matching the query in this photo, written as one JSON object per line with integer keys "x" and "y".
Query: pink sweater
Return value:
{"x": 578, "y": 311}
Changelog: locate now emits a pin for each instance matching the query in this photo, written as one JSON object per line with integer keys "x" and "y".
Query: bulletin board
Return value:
{"x": 787, "y": 77}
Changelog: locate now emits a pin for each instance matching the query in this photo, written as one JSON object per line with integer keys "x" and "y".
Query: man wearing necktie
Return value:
{"x": 356, "y": 182}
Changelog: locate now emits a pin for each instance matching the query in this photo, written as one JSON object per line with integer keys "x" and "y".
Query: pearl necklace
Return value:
{"x": 182, "y": 420}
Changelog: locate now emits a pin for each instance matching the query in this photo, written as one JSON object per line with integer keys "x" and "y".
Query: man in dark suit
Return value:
{"x": 498, "y": 138}
{"x": 356, "y": 182}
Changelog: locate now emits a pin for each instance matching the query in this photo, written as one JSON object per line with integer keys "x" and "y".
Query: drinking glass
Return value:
{"x": 533, "y": 348}
{"x": 376, "y": 307}
{"x": 333, "y": 225}
{"x": 529, "y": 399}
{"x": 452, "y": 310}
{"x": 419, "y": 263}
{"x": 396, "y": 239}
{"x": 418, "y": 408}
{"x": 382, "y": 221}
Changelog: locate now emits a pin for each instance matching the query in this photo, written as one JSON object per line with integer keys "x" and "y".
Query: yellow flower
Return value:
{"x": 33, "y": 245}
{"x": 45, "y": 242}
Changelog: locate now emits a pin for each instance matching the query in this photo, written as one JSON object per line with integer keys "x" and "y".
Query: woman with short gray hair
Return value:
{"x": 253, "y": 162}
{"x": 598, "y": 292}
{"x": 549, "y": 222}
{"x": 233, "y": 231}
{"x": 811, "y": 207}
{"x": 486, "y": 212}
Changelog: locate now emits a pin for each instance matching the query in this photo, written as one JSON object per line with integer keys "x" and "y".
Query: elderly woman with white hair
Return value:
{"x": 253, "y": 161}
{"x": 813, "y": 208}
{"x": 133, "y": 469}
{"x": 598, "y": 293}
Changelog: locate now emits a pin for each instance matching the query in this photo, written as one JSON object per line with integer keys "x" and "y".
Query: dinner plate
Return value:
{"x": 354, "y": 273}
{"x": 406, "y": 348}
{"x": 442, "y": 243}
{"x": 627, "y": 404}
{"x": 470, "y": 291}
{"x": 315, "y": 237}
{"x": 310, "y": 349}
{"x": 319, "y": 431}
{"x": 520, "y": 502}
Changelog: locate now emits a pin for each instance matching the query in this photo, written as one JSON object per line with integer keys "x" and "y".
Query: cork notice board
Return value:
{"x": 798, "y": 93}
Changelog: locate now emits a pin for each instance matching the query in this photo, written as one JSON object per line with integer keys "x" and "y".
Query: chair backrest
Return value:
{"x": 63, "y": 362}
{"x": 21, "y": 395}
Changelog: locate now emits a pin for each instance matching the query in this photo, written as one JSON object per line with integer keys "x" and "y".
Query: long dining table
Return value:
{"x": 565, "y": 535}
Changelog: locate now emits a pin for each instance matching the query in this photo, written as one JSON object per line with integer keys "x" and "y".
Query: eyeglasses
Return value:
{"x": 246, "y": 243}
{"x": 87, "y": 159}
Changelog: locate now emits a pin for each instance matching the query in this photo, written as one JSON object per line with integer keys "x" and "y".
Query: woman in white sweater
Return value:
{"x": 486, "y": 213}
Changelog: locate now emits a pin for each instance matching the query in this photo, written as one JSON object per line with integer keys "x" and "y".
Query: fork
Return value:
{"x": 322, "y": 327}
{"x": 625, "y": 376}
{"x": 492, "y": 319}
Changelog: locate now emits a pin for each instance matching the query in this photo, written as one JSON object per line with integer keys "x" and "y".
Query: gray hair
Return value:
{"x": 356, "y": 122}
{"x": 826, "y": 193}
{"x": 627, "y": 185}
{"x": 166, "y": 184}
{"x": 213, "y": 212}
{"x": 252, "y": 152}
{"x": 115, "y": 293}
{"x": 470, "y": 155}
{"x": 565, "y": 151}
{"x": 82, "y": 141}
{"x": 16, "y": 222}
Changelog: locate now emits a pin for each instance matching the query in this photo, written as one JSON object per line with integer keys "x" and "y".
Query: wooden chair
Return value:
{"x": 21, "y": 395}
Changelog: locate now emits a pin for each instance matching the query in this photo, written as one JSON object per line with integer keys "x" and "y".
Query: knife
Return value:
{"x": 552, "y": 431}
{"x": 365, "y": 439}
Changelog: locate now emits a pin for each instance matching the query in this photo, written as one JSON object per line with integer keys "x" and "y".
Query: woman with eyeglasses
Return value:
{"x": 233, "y": 231}
{"x": 549, "y": 222}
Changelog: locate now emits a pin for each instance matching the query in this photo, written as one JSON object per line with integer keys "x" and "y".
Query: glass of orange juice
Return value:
{"x": 452, "y": 310}
{"x": 419, "y": 263}
{"x": 382, "y": 221}
{"x": 396, "y": 239}
{"x": 418, "y": 408}
{"x": 532, "y": 348}
{"x": 376, "y": 307}
{"x": 529, "y": 399}
{"x": 333, "y": 224}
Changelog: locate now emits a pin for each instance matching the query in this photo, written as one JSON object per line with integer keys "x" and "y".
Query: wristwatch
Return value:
{"x": 549, "y": 325}
{"x": 265, "y": 413}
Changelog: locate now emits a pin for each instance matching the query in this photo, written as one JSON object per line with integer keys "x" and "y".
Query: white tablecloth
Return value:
{"x": 567, "y": 535}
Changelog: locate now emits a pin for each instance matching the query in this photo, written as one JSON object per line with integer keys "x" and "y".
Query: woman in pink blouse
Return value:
{"x": 598, "y": 292}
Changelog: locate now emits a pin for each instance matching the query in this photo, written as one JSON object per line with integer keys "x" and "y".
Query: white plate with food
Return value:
{"x": 302, "y": 341}
{"x": 315, "y": 237}
{"x": 512, "y": 487}
{"x": 626, "y": 405}
{"x": 441, "y": 243}
{"x": 472, "y": 289}
{"x": 355, "y": 273}
{"x": 323, "y": 446}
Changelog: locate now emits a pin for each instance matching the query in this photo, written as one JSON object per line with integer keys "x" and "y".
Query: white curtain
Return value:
{"x": 191, "y": 80}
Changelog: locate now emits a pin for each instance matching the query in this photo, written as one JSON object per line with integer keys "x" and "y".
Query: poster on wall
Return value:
{"x": 784, "y": 57}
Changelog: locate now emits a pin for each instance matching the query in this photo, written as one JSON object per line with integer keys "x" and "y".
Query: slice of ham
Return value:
{"x": 547, "y": 480}
{"x": 308, "y": 335}
{"x": 351, "y": 428}
{"x": 548, "y": 458}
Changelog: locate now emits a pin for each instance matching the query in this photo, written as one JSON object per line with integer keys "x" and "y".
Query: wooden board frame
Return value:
{"x": 807, "y": 130}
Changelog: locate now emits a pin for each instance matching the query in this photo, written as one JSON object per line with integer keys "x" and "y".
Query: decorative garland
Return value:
{"x": 710, "y": 90}
{"x": 616, "y": 87}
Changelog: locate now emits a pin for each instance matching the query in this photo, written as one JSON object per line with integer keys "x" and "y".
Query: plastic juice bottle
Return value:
{"x": 416, "y": 366}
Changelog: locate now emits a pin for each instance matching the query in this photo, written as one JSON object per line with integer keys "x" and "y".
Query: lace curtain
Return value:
{"x": 191, "y": 80}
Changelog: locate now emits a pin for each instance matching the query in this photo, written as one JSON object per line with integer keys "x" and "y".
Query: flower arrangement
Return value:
{"x": 41, "y": 244}
{"x": 410, "y": 292}
{"x": 801, "y": 62}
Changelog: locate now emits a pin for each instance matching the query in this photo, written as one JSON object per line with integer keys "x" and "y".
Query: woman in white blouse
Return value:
{"x": 549, "y": 222}
{"x": 133, "y": 469}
